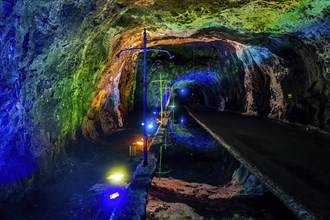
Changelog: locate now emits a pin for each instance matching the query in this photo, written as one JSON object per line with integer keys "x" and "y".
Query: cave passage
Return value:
{"x": 199, "y": 179}
{"x": 69, "y": 107}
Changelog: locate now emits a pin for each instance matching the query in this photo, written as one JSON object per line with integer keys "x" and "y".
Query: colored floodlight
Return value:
{"x": 114, "y": 195}
{"x": 150, "y": 126}
{"x": 117, "y": 175}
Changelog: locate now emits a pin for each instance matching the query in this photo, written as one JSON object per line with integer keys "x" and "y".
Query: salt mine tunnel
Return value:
{"x": 246, "y": 100}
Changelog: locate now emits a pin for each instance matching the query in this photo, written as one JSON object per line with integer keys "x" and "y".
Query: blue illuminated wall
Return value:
{"x": 16, "y": 160}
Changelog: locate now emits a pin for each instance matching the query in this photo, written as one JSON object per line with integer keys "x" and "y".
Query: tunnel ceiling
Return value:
{"x": 59, "y": 73}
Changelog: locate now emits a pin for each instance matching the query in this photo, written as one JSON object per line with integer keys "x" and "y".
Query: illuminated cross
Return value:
{"x": 161, "y": 94}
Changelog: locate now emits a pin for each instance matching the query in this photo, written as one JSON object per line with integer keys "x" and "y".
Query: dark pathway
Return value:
{"x": 67, "y": 195}
{"x": 293, "y": 161}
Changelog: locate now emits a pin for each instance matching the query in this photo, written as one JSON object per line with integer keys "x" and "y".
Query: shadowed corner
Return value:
{"x": 15, "y": 165}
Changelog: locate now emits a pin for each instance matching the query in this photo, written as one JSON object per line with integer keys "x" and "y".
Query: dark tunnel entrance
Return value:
{"x": 191, "y": 77}
{"x": 189, "y": 95}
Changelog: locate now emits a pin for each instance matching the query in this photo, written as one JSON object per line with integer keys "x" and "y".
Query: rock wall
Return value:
{"x": 59, "y": 74}
{"x": 47, "y": 77}
{"x": 286, "y": 79}
{"x": 247, "y": 182}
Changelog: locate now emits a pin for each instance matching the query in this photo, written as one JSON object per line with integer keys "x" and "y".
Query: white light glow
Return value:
{"x": 114, "y": 195}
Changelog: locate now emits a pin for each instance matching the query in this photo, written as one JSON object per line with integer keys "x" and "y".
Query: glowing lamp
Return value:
{"x": 151, "y": 126}
{"x": 182, "y": 119}
{"x": 114, "y": 195}
{"x": 116, "y": 177}
{"x": 183, "y": 91}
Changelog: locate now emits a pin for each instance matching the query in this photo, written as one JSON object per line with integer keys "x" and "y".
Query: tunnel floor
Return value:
{"x": 293, "y": 160}
{"x": 196, "y": 181}
{"x": 67, "y": 195}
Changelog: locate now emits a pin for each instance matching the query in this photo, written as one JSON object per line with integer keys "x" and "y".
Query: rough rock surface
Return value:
{"x": 59, "y": 73}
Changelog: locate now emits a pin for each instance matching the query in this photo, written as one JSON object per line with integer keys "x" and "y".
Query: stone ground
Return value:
{"x": 191, "y": 188}
{"x": 176, "y": 199}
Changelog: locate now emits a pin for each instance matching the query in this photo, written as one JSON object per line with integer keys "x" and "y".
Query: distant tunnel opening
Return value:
{"x": 190, "y": 95}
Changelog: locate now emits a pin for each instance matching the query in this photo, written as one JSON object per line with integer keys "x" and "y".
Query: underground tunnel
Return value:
{"x": 247, "y": 95}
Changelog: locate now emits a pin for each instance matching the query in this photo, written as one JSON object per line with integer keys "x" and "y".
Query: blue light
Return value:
{"x": 113, "y": 196}
{"x": 166, "y": 97}
{"x": 317, "y": 29}
{"x": 16, "y": 163}
{"x": 203, "y": 76}
{"x": 151, "y": 126}
{"x": 195, "y": 138}
{"x": 183, "y": 91}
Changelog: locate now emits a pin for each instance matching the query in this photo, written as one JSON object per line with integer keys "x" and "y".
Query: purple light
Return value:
{"x": 114, "y": 196}
{"x": 166, "y": 97}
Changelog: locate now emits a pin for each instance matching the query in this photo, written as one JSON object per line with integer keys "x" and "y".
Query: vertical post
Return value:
{"x": 173, "y": 108}
{"x": 145, "y": 147}
{"x": 160, "y": 161}
{"x": 161, "y": 98}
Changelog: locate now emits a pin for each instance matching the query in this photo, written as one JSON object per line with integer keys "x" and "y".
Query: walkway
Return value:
{"x": 294, "y": 162}
{"x": 133, "y": 205}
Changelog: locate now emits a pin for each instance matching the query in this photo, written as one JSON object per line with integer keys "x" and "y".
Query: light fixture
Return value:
{"x": 114, "y": 195}
{"x": 117, "y": 175}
